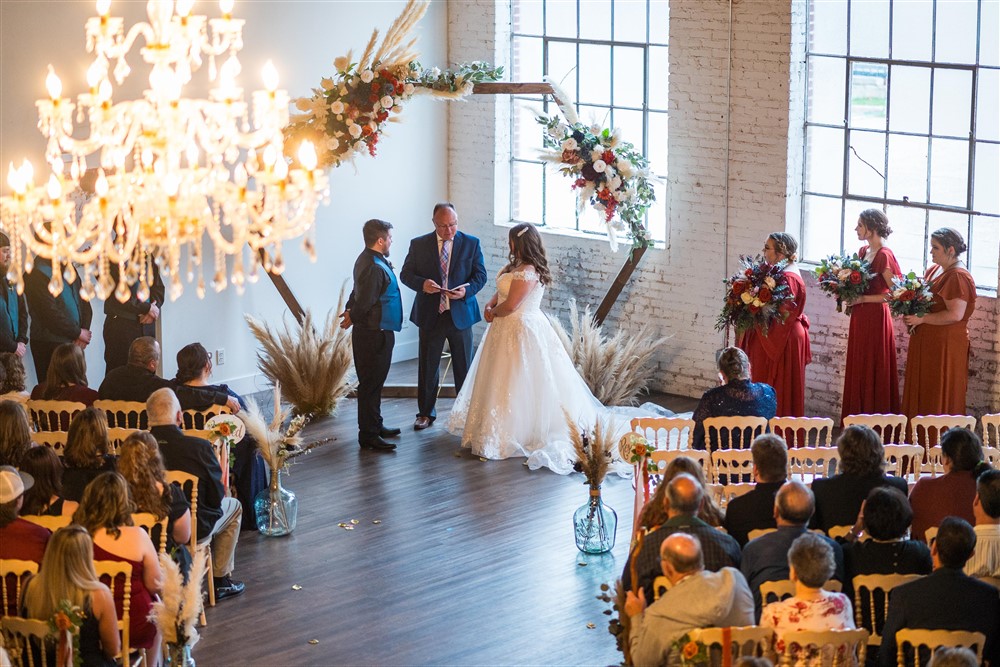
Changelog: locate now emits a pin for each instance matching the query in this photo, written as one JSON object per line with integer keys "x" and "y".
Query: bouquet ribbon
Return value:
{"x": 64, "y": 652}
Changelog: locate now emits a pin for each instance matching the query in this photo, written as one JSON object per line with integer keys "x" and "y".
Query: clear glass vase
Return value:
{"x": 179, "y": 655}
{"x": 276, "y": 508}
{"x": 594, "y": 525}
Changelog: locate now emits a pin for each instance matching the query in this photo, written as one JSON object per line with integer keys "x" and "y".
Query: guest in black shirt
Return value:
{"x": 45, "y": 497}
{"x": 737, "y": 397}
{"x": 86, "y": 454}
{"x": 755, "y": 510}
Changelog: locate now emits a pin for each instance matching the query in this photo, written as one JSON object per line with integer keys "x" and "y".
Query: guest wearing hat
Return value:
{"x": 19, "y": 539}
{"x": 13, "y": 309}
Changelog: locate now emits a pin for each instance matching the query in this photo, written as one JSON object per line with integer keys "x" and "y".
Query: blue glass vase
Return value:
{"x": 594, "y": 525}
{"x": 276, "y": 508}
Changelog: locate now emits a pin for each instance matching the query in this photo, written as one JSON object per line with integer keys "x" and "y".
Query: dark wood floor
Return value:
{"x": 472, "y": 563}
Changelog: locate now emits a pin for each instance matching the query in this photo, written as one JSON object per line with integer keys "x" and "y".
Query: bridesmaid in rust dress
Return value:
{"x": 871, "y": 384}
{"x": 779, "y": 358}
{"x": 937, "y": 363}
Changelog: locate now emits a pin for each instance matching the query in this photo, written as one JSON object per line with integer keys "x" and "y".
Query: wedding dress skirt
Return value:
{"x": 520, "y": 381}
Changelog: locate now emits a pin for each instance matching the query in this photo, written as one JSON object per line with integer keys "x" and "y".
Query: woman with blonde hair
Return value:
{"x": 67, "y": 573}
{"x": 106, "y": 512}
{"x": 87, "y": 452}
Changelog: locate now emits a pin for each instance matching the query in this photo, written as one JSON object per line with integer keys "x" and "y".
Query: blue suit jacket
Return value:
{"x": 466, "y": 266}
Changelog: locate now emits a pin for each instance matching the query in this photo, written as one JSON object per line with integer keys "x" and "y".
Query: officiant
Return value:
{"x": 446, "y": 269}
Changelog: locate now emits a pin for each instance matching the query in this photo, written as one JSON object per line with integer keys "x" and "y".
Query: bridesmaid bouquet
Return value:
{"x": 843, "y": 277}
{"x": 910, "y": 295}
{"x": 755, "y": 296}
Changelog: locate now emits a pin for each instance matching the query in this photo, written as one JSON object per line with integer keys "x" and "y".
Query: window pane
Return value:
{"x": 986, "y": 194}
{"x": 821, "y": 227}
{"x": 630, "y": 20}
{"x": 911, "y": 29}
{"x": 594, "y": 115}
{"x": 952, "y": 102}
{"x": 989, "y": 42}
{"x": 828, "y": 23}
{"x": 955, "y": 38}
{"x": 908, "y": 168}
{"x": 988, "y": 105}
{"x": 868, "y": 95}
{"x": 657, "y": 215}
{"x": 825, "y": 160}
{"x": 910, "y": 99}
{"x": 527, "y": 58}
{"x": 527, "y": 16}
{"x": 630, "y": 124}
{"x": 595, "y": 83}
{"x": 659, "y": 16}
{"x": 526, "y": 184}
{"x": 595, "y": 20}
{"x": 984, "y": 250}
{"x": 560, "y": 201}
{"x": 562, "y": 66}
{"x": 560, "y": 18}
{"x": 526, "y": 134}
{"x": 949, "y": 172}
{"x": 656, "y": 143}
{"x": 658, "y": 78}
{"x": 908, "y": 241}
{"x": 826, "y": 90}
{"x": 629, "y": 71}
{"x": 867, "y": 164}
{"x": 870, "y": 28}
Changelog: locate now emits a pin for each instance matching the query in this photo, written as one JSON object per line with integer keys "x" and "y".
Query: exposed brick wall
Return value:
{"x": 754, "y": 114}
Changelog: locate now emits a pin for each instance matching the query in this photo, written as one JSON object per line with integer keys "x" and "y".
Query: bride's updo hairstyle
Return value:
{"x": 785, "y": 245}
{"x": 526, "y": 248}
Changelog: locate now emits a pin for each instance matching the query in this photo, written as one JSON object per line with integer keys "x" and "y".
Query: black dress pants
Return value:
{"x": 429, "y": 360}
{"x": 372, "y": 357}
{"x": 41, "y": 354}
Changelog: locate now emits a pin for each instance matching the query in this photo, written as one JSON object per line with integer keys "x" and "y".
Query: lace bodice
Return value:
{"x": 533, "y": 301}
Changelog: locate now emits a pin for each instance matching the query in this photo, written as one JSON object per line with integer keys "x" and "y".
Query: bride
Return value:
{"x": 521, "y": 378}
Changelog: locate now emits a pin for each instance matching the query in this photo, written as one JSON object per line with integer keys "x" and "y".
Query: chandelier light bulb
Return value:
{"x": 171, "y": 185}
{"x": 53, "y": 85}
{"x": 226, "y": 7}
{"x": 307, "y": 155}
{"x": 54, "y": 189}
{"x": 27, "y": 173}
{"x": 14, "y": 180}
{"x": 103, "y": 8}
{"x": 184, "y": 7}
{"x": 104, "y": 92}
{"x": 95, "y": 73}
{"x": 270, "y": 157}
{"x": 270, "y": 77}
{"x": 101, "y": 185}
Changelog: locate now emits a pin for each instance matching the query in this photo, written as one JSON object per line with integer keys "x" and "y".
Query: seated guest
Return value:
{"x": 755, "y": 510}
{"x": 985, "y": 562}
{"x": 839, "y": 498}
{"x": 87, "y": 452}
{"x": 106, "y": 513}
{"x": 19, "y": 539}
{"x": 194, "y": 368}
{"x": 951, "y": 494}
{"x": 67, "y": 378}
{"x": 15, "y": 433}
{"x": 946, "y": 599}
{"x": 45, "y": 496}
{"x": 654, "y": 513}
{"x": 12, "y": 387}
{"x": 684, "y": 497}
{"x": 218, "y": 517}
{"x": 810, "y": 564}
{"x": 141, "y": 464}
{"x": 737, "y": 397}
{"x": 67, "y": 573}
{"x": 955, "y": 656}
{"x": 696, "y": 599}
{"x": 764, "y": 558}
{"x": 137, "y": 380}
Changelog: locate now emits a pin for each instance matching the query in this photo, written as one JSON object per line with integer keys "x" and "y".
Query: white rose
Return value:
{"x": 624, "y": 168}
{"x": 614, "y": 184}
{"x": 600, "y": 166}
{"x": 569, "y": 145}
{"x": 337, "y": 107}
{"x": 386, "y": 102}
{"x": 596, "y": 154}
{"x": 367, "y": 76}
{"x": 355, "y": 130}
{"x": 332, "y": 144}
{"x": 409, "y": 88}
{"x": 435, "y": 72}
{"x": 341, "y": 63}
{"x": 769, "y": 281}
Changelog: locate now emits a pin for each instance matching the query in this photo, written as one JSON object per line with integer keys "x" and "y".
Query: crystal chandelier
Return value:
{"x": 167, "y": 171}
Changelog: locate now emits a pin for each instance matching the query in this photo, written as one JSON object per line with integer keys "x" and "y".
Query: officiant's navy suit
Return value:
{"x": 465, "y": 265}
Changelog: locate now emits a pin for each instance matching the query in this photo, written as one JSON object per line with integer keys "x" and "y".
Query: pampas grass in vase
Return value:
{"x": 180, "y": 604}
{"x": 594, "y": 523}
{"x": 617, "y": 368}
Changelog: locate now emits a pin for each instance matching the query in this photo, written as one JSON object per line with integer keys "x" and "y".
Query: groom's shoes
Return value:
{"x": 421, "y": 423}
{"x": 386, "y": 432}
{"x": 377, "y": 443}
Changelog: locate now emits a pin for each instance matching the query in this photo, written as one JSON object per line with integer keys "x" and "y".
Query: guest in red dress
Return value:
{"x": 937, "y": 364}
{"x": 779, "y": 358}
{"x": 871, "y": 383}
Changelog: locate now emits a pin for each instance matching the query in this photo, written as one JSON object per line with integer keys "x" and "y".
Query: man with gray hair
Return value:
{"x": 218, "y": 516}
{"x": 695, "y": 599}
{"x": 684, "y": 497}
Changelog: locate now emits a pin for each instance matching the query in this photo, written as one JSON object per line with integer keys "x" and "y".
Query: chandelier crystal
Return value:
{"x": 167, "y": 171}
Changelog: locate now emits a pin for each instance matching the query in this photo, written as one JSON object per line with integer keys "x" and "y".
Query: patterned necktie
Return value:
{"x": 443, "y": 305}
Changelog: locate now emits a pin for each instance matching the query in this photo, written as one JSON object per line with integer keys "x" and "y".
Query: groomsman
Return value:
{"x": 13, "y": 310}
{"x": 446, "y": 269}
{"x": 54, "y": 319}
{"x": 124, "y": 322}
{"x": 376, "y": 312}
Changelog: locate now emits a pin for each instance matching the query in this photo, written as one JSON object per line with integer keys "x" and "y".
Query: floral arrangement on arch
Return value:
{"x": 755, "y": 296}
{"x": 608, "y": 173}
{"x": 910, "y": 295}
{"x": 348, "y": 113}
{"x": 845, "y": 277}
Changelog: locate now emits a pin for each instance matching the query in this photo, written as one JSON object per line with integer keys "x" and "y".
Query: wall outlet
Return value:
{"x": 220, "y": 357}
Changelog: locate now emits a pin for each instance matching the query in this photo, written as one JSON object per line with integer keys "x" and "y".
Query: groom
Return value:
{"x": 446, "y": 269}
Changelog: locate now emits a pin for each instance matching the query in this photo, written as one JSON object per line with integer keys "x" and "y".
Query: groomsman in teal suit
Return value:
{"x": 13, "y": 310}
{"x": 446, "y": 269}
{"x": 54, "y": 319}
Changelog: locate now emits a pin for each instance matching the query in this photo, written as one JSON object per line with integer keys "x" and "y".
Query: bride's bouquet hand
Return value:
{"x": 488, "y": 314}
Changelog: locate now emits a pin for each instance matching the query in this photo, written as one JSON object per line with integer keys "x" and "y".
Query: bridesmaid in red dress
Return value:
{"x": 871, "y": 384}
{"x": 779, "y": 358}
{"x": 937, "y": 364}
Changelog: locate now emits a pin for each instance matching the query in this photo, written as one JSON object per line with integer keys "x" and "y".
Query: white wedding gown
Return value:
{"x": 520, "y": 381}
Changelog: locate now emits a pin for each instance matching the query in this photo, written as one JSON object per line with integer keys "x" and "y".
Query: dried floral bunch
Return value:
{"x": 594, "y": 448}
{"x": 616, "y": 369}
{"x": 177, "y": 610}
{"x": 313, "y": 366}
{"x": 348, "y": 112}
{"x": 277, "y": 444}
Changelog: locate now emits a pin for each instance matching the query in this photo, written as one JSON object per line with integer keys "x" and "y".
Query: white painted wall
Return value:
{"x": 302, "y": 38}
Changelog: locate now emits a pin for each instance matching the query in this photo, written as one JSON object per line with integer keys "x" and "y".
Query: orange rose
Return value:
{"x": 690, "y": 650}
{"x": 62, "y": 621}
{"x": 640, "y": 450}
{"x": 224, "y": 429}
